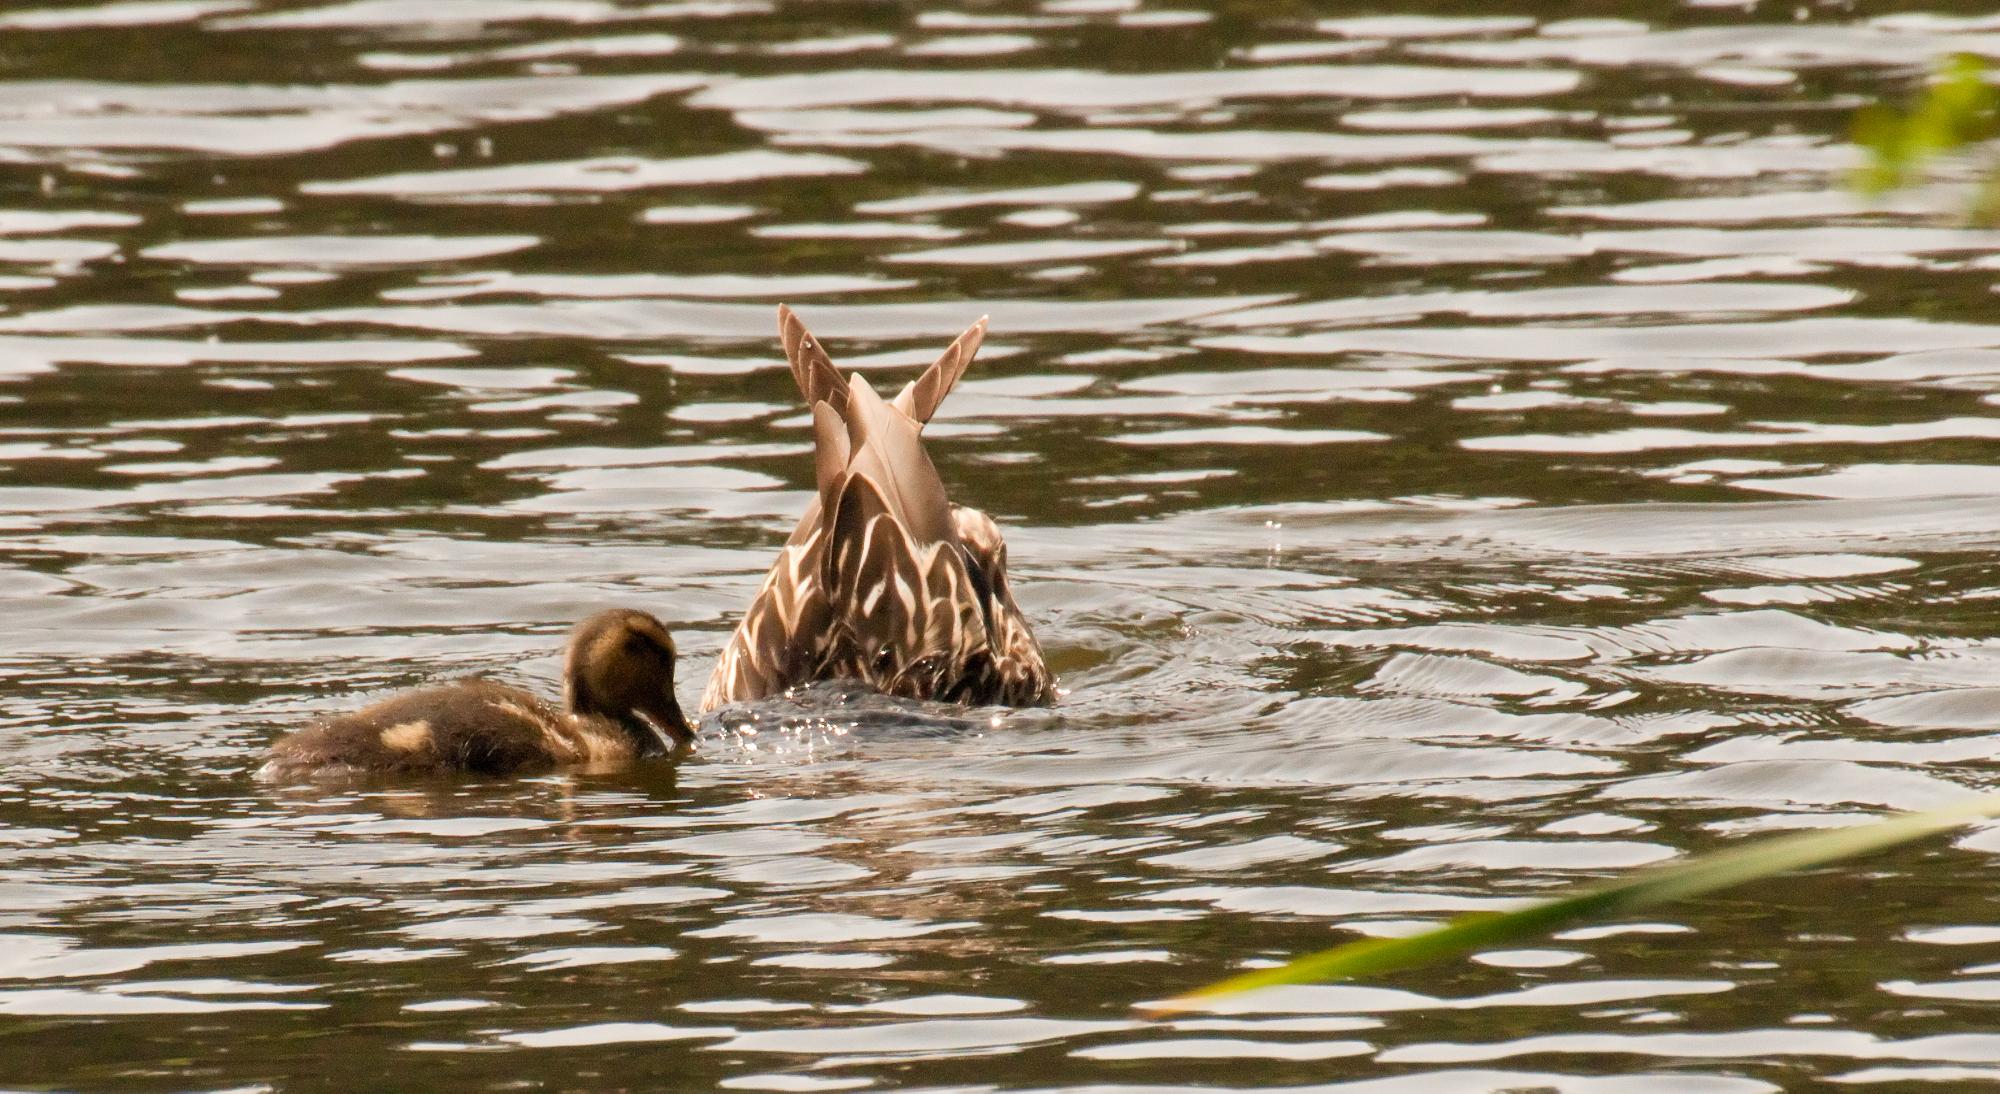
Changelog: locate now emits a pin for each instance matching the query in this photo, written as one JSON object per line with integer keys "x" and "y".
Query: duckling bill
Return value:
{"x": 619, "y": 704}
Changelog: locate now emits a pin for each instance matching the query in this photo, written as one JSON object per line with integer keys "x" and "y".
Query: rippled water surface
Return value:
{"x": 1446, "y": 456}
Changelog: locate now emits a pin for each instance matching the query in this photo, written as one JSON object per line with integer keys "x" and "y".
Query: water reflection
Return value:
{"x": 1445, "y": 456}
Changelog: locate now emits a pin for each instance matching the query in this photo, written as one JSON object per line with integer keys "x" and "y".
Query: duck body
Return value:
{"x": 471, "y": 725}
{"x": 884, "y": 581}
{"x": 619, "y": 705}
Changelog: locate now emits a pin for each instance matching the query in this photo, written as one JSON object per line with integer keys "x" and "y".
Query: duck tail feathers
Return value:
{"x": 887, "y": 449}
{"x": 831, "y": 453}
{"x": 818, "y": 379}
{"x": 919, "y": 398}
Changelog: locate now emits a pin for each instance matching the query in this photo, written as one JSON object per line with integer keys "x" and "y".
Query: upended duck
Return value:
{"x": 884, "y": 581}
{"x": 618, "y": 691}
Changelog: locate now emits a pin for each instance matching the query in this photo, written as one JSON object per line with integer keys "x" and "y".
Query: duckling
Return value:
{"x": 618, "y": 686}
{"x": 884, "y": 581}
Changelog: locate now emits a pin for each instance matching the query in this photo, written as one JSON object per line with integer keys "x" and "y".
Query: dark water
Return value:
{"x": 1447, "y": 457}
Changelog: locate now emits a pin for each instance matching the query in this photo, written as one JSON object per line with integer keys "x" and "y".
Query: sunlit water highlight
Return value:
{"x": 1446, "y": 457}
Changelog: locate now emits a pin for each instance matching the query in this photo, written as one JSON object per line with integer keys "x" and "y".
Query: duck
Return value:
{"x": 618, "y": 705}
{"x": 884, "y": 582}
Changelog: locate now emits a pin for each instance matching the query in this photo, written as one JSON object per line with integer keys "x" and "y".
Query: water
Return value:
{"x": 1446, "y": 458}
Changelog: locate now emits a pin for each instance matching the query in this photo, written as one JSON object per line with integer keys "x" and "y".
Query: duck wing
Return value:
{"x": 1019, "y": 676}
{"x": 780, "y": 643}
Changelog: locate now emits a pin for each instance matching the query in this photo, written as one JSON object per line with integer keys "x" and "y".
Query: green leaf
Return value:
{"x": 1958, "y": 109}
{"x": 1706, "y": 874}
{"x": 1879, "y": 129}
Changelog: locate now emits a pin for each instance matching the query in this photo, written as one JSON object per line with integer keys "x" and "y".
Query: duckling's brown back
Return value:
{"x": 474, "y": 726}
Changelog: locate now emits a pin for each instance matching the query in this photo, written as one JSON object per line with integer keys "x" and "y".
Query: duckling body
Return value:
{"x": 618, "y": 683}
{"x": 884, "y": 581}
{"x": 470, "y": 725}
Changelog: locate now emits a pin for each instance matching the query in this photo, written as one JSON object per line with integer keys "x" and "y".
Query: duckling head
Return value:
{"x": 621, "y": 666}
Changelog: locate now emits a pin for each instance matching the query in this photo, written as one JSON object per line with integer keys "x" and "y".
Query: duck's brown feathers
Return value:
{"x": 470, "y": 725}
{"x": 618, "y": 689}
{"x": 884, "y": 581}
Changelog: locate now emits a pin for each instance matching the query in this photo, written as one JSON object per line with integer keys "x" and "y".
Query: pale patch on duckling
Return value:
{"x": 407, "y": 736}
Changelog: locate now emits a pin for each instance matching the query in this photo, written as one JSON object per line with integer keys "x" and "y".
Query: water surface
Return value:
{"x": 1446, "y": 457}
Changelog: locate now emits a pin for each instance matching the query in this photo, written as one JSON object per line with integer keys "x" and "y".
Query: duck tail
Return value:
{"x": 818, "y": 380}
{"x": 887, "y": 449}
{"x": 831, "y": 453}
{"x": 919, "y": 398}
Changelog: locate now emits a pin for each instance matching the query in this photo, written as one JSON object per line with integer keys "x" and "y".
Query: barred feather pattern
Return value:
{"x": 1019, "y": 676}
{"x": 774, "y": 648}
{"x": 884, "y": 582}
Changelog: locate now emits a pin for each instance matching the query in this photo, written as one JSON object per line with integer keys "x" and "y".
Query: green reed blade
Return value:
{"x": 1646, "y": 888}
